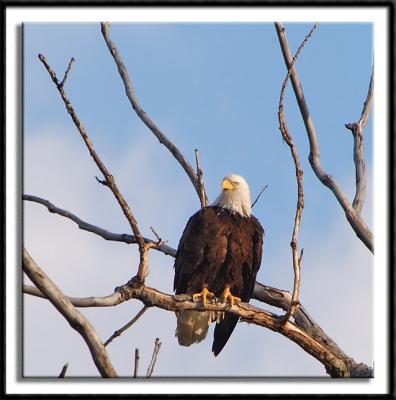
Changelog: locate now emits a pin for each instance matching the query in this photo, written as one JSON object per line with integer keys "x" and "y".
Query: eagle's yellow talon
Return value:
{"x": 204, "y": 294}
{"x": 228, "y": 297}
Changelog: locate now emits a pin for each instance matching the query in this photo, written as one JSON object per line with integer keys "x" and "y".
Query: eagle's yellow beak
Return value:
{"x": 226, "y": 185}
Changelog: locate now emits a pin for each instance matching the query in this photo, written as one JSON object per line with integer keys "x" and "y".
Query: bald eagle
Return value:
{"x": 218, "y": 257}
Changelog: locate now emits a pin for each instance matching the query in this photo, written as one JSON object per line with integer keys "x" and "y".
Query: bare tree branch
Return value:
{"x": 150, "y": 369}
{"x": 63, "y": 372}
{"x": 357, "y": 224}
{"x": 358, "y": 148}
{"x": 110, "y": 182}
{"x": 120, "y": 331}
{"x": 135, "y": 371}
{"x": 305, "y": 332}
{"x": 143, "y": 115}
{"x": 76, "y": 320}
{"x": 300, "y": 193}
{"x": 67, "y": 72}
{"x": 86, "y": 226}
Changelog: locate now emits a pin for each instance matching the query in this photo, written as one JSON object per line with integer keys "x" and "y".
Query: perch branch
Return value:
{"x": 358, "y": 148}
{"x": 299, "y": 173}
{"x": 76, "y": 320}
{"x": 357, "y": 224}
{"x": 308, "y": 335}
{"x": 120, "y": 331}
{"x": 130, "y": 92}
{"x": 110, "y": 182}
{"x": 150, "y": 369}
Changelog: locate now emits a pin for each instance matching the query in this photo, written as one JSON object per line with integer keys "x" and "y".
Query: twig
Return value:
{"x": 67, "y": 72}
{"x": 101, "y": 181}
{"x": 135, "y": 371}
{"x": 357, "y": 224}
{"x": 300, "y": 193}
{"x": 76, "y": 320}
{"x": 150, "y": 369}
{"x": 143, "y": 247}
{"x": 202, "y": 196}
{"x": 358, "y": 148}
{"x": 155, "y": 234}
{"x": 116, "y": 237}
{"x": 120, "y": 331}
{"x": 258, "y": 196}
{"x": 63, "y": 372}
{"x": 142, "y": 114}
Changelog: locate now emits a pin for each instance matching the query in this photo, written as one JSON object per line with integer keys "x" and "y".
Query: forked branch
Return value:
{"x": 356, "y": 222}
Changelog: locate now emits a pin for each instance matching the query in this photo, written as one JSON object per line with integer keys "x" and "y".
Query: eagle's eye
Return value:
{"x": 235, "y": 183}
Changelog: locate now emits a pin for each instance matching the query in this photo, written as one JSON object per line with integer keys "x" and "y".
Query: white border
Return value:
{"x": 378, "y": 15}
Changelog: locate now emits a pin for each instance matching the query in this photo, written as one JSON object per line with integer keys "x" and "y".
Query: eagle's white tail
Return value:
{"x": 192, "y": 326}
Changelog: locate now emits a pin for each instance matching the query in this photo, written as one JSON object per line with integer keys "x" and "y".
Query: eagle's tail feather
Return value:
{"x": 192, "y": 326}
{"x": 223, "y": 332}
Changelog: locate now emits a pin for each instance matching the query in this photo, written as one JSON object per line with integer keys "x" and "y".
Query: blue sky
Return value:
{"x": 214, "y": 87}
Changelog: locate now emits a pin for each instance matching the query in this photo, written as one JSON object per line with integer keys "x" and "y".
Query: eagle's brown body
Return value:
{"x": 218, "y": 248}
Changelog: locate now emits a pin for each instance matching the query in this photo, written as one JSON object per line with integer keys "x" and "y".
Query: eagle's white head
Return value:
{"x": 235, "y": 195}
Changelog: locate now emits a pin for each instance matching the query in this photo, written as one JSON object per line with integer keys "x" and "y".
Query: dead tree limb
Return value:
{"x": 358, "y": 148}
{"x": 110, "y": 181}
{"x": 120, "y": 331}
{"x": 356, "y": 222}
{"x": 130, "y": 92}
{"x": 76, "y": 320}
{"x": 86, "y": 226}
{"x": 299, "y": 174}
{"x": 304, "y": 332}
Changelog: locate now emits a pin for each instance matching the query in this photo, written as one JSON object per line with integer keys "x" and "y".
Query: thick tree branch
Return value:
{"x": 76, "y": 320}
{"x": 130, "y": 92}
{"x": 358, "y": 148}
{"x": 305, "y": 332}
{"x": 357, "y": 224}
{"x": 300, "y": 193}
